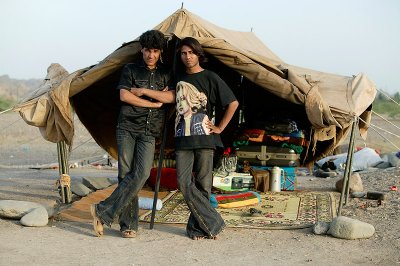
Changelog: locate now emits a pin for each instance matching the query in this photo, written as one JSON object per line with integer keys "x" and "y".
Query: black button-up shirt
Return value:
{"x": 144, "y": 120}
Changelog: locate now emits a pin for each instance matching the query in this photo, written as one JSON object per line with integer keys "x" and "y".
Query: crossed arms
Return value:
{"x": 133, "y": 97}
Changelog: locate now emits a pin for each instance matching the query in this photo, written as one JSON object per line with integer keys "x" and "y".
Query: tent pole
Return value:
{"x": 162, "y": 146}
{"x": 160, "y": 163}
{"x": 347, "y": 172}
{"x": 60, "y": 171}
{"x": 353, "y": 129}
{"x": 65, "y": 179}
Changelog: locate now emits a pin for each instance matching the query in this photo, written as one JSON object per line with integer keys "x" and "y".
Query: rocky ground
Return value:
{"x": 71, "y": 243}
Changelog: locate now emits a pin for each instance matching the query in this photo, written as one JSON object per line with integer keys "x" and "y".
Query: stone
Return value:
{"x": 96, "y": 183}
{"x": 383, "y": 165}
{"x": 113, "y": 180}
{"x": 375, "y": 195}
{"x": 348, "y": 228}
{"x": 393, "y": 159}
{"x": 358, "y": 194}
{"x": 51, "y": 209}
{"x": 321, "y": 228}
{"x": 37, "y": 217}
{"x": 80, "y": 189}
{"x": 15, "y": 209}
{"x": 355, "y": 183}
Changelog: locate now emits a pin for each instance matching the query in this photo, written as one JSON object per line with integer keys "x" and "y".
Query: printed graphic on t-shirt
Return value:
{"x": 191, "y": 107}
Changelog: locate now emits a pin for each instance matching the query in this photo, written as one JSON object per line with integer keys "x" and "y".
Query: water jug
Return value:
{"x": 276, "y": 174}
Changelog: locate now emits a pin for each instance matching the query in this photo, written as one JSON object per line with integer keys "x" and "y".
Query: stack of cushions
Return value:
{"x": 235, "y": 200}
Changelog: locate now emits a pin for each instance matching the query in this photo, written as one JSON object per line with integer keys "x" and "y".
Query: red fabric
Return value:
{"x": 168, "y": 178}
{"x": 235, "y": 196}
{"x": 275, "y": 140}
{"x": 255, "y": 135}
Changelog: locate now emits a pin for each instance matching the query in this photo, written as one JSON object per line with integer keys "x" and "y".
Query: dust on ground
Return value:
{"x": 73, "y": 243}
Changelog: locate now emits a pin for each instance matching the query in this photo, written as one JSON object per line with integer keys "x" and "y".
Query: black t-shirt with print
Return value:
{"x": 218, "y": 94}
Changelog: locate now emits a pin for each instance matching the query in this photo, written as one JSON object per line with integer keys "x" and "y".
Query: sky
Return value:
{"x": 344, "y": 37}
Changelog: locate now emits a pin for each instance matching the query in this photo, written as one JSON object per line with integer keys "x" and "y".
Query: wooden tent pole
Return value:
{"x": 347, "y": 172}
{"x": 353, "y": 129}
{"x": 65, "y": 179}
{"x": 162, "y": 146}
{"x": 159, "y": 169}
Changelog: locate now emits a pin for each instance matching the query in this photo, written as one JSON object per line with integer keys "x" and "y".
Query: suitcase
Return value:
{"x": 268, "y": 155}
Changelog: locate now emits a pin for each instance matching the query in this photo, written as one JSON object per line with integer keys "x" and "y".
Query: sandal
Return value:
{"x": 128, "y": 234}
{"x": 97, "y": 224}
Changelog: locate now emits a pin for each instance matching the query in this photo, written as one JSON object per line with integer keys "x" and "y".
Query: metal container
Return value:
{"x": 275, "y": 182}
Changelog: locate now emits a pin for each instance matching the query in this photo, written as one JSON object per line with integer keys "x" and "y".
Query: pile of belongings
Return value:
{"x": 271, "y": 143}
{"x": 362, "y": 160}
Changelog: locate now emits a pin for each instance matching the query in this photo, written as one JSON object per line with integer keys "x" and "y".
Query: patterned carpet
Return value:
{"x": 283, "y": 210}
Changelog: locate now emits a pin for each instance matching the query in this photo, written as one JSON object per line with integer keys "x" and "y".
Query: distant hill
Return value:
{"x": 13, "y": 90}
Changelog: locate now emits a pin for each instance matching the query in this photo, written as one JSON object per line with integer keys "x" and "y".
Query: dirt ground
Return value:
{"x": 72, "y": 243}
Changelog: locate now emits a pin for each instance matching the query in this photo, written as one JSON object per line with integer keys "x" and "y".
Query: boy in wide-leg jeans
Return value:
{"x": 123, "y": 202}
{"x": 203, "y": 217}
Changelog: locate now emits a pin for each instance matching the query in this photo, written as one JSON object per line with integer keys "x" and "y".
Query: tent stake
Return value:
{"x": 347, "y": 172}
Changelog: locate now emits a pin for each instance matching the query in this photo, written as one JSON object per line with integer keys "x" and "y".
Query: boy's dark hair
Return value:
{"x": 195, "y": 45}
{"x": 152, "y": 39}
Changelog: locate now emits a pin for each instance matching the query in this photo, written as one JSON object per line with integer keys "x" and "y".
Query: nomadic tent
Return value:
{"x": 325, "y": 104}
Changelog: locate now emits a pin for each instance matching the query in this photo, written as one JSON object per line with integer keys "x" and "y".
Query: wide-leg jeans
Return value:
{"x": 135, "y": 159}
{"x": 204, "y": 220}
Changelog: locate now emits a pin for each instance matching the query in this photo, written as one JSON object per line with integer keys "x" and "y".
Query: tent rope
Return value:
{"x": 11, "y": 124}
{"x": 86, "y": 158}
{"x": 56, "y": 163}
{"x": 386, "y": 131}
{"x": 5, "y": 111}
{"x": 380, "y": 133}
{"x": 375, "y": 113}
{"x": 387, "y": 96}
{"x": 81, "y": 144}
{"x": 30, "y": 140}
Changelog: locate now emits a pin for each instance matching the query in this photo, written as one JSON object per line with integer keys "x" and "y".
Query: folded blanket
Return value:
{"x": 235, "y": 200}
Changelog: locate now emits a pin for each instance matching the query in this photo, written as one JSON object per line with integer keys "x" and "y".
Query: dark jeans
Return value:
{"x": 204, "y": 220}
{"x": 135, "y": 159}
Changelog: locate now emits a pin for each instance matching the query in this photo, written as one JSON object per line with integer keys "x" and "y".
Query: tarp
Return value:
{"x": 330, "y": 102}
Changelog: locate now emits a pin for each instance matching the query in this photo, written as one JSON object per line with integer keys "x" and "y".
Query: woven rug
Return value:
{"x": 79, "y": 211}
{"x": 283, "y": 210}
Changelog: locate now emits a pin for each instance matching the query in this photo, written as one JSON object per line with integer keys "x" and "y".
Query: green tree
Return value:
{"x": 5, "y": 104}
{"x": 396, "y": 97}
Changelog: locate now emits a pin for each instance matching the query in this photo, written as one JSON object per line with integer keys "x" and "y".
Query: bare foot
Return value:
{"x": 97, "y": 224}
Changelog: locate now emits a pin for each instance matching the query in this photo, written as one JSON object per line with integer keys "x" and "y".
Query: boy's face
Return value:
{"x": 151, "y": 56}
{"x": 188, "y": 57}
